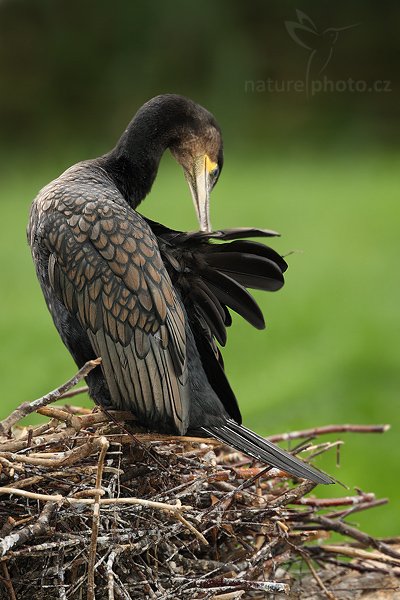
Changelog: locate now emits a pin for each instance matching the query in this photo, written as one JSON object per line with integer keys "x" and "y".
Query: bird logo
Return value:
{"x": 320, "y": 43}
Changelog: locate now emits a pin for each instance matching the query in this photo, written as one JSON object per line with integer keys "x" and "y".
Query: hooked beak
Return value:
{"x": 200, "y": 185}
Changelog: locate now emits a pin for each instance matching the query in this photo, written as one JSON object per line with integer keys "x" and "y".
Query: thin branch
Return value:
{"x": 104, "y": 445}
{"x": 110, "y": 574}
{"x": 328, "y": 502}
{"x": 224, "y": 584}
{"x": 81, "y": 390}
{"x": 26, "y": 408}
{"x": 360, "y": 554}
{"x": 317, "y": 578}
{"x": 40, "y": 527}
{"x": 316, "y": 431}
{"x": 189, "y": 526}
{"x": 291, "y": 496}
{"x": 347, "y": 530}
{"x": 7, "y": 582}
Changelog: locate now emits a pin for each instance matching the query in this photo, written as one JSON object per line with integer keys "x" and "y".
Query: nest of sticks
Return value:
{"x": 93, "y": 509}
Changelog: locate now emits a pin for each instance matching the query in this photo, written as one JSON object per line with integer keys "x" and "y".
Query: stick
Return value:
{"x": 327, "y": 502}
{"x": 360, "y": 536}
{"x": 26, "y": 408}
{"x": 7, "y": 582}
{"x": 96, "y": 519}
{"x": 81, "y": 390}
{"x": 360, "y": 553}
{"x": 110, "y": 575}
{"x": 293, "y": 495}
{"x": 189, "y": 526}
{"x": 174, "y": 509}
{"x": 314, "y": 432}
{"x": 225, "y": 584}
{"x": 317, "y": 578}
{"x": 23, "y": 535}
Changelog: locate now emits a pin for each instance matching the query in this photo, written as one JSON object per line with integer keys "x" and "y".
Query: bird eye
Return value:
{"x": 214, "y": 173}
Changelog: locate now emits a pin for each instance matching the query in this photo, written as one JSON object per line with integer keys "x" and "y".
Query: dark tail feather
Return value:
{"x": 231, "y": 293}
{"x": 253, "y": 445}
{"x": 250, "y": 270}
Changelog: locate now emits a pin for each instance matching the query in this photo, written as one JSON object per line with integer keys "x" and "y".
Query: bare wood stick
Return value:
{"x": 191, "y": 528}
{"x": 224, "y": 584}
{"x": 26, "y": 533}
{"x": 315, "y": 431}
{"x": 60, "y": 575}
{"x": 7, "y": 582}
{"x": 104, "y": 445}
{"x": 7, "y": 527}
{"x": 360, "y": 554}
{"x": 66, "y": 459}
{"x": 317, "y": 578}
{"x": 81, "y": 390}
{"x": 230, "y": 595}
{"x": 26, "y": 408}
{"x": 59, "y": 414}
{"x": 15, "y": 445}
{"x": 110, "y": 575}
{"x": 356, "y": 508}
{"x": 348, "y": 530}
{"x": 38, "y": 549}
{"x": 174, "y": 508}
{"x": 292, "y": 495}
{"x": 327, "y": 502}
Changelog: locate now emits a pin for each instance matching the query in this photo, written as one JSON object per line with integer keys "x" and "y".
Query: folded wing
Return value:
{"x": 106, "y": 268}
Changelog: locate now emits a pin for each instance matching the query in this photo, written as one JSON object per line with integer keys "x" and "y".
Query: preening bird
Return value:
{"x": 152, "y": 302}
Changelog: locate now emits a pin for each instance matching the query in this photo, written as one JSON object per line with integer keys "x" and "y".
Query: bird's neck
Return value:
{"x": 133, "y": 163}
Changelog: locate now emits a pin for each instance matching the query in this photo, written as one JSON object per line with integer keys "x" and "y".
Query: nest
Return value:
{"x": 92, "y": 509}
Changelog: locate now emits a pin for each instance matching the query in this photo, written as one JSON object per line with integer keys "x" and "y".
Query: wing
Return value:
{"x": 213, "y": 278}
{"x": 106, "y": 268}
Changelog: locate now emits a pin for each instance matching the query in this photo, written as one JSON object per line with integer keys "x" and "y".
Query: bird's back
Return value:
{"x": 101, "y": 272}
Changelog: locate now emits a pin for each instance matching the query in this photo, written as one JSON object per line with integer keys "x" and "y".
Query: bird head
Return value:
{"x": 197, "y": 147}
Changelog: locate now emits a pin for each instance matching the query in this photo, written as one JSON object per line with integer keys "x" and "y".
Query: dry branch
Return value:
{"x": 26, "y": 408}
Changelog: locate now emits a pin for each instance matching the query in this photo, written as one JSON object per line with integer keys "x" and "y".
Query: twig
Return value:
{"x": 328, "y": 502}
{"x": 60, "y": 568}
{"x": 110, "y": 574}
{"x": 104, "y": 445}
{"x": 174, "y": 509}
{"x": 81, "y": 390}
{"x": 189, "y": 526}
{"x": 356, "y": 508}
{"x": 348, "y": 530}
{"x": 26, "y": 533}
{"x": 178, "y": 507}
{"x": 360, "y": 554}
{"x": 66, "y": 459}
{"x": 224, "y": 584}
{"x": 316, "y": 431}
{"x": 317, "y": 578}
{"x": 26, "y": 408}
{"x": 230, "y": 595}
{"x": 291, "y": 496}
{"x": 7, "y": 582}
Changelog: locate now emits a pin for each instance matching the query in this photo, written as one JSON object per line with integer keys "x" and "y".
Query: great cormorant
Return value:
{"x": 151, "y": 301}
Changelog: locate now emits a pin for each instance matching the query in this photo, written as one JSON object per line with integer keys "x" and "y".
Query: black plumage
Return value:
{"x": 151, "y": 301}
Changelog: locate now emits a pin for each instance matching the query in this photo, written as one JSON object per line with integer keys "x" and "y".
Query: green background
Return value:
{"x": 323, "y": 170}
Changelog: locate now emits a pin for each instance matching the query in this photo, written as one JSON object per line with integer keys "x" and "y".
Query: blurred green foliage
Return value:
{"x": 323, "y": 170}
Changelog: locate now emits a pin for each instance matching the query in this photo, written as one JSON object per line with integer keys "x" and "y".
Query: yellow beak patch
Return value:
{"x": 210, "y": 164}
